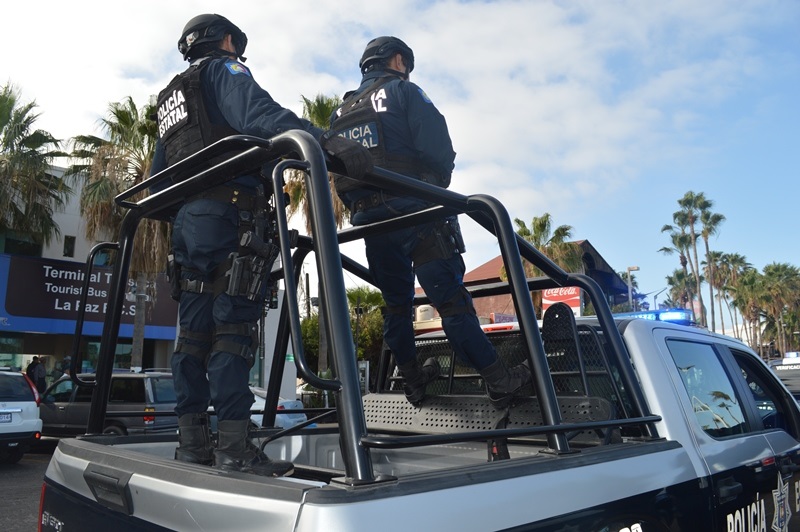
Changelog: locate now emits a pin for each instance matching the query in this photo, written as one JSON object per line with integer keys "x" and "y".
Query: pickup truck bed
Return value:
{"x": 145, "y": 487}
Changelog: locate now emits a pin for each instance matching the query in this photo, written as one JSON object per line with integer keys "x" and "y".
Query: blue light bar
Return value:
{"x": 681, "y": 316}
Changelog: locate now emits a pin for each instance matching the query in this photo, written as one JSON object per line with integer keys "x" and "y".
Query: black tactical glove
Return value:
{"x": 353, "y": 155}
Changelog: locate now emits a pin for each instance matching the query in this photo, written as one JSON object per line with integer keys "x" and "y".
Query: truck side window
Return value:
{"x": 714, "y": 400}
{"x": 84, "y": 394}
{"x": 770, "y": 399}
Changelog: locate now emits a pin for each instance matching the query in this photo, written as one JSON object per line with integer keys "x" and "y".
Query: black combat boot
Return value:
{"x": 195, "y": 440}
{"x": 236, "y": 453}
{"x": 503, "y": 383}
{"x": 417, "y": 378}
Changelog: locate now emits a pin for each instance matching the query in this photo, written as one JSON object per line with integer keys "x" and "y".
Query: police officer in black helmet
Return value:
{"x": 405, "y": 133}
{"x": 215, "y": 97}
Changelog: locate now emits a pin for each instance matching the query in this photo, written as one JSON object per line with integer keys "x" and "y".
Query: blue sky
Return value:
{"x": 602, "y": 113}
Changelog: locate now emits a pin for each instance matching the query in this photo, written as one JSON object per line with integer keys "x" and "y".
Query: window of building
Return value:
{"x": 20, "y": 244}
{"x": 69, "y": 246}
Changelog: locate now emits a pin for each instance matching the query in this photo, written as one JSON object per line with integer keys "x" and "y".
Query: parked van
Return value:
{"x": 65, "y": 406}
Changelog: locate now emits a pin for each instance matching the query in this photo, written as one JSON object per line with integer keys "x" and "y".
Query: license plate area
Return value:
{"x": 5, "y": 417}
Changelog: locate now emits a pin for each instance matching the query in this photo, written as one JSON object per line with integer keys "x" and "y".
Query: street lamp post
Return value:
{"x": 630, "y": 290}
{"x": 655, "y": 306}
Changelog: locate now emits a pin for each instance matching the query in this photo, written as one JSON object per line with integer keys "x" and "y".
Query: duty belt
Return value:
{"x": 243, "y": 200}
{"x": 370, "y": 201}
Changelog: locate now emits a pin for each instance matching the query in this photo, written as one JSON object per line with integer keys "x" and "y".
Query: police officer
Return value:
{"x": 216, "y": 97}
{"x": 405, "y": 133}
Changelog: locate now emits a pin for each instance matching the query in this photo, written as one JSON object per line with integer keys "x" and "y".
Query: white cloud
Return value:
{"x": 567, "y": 107}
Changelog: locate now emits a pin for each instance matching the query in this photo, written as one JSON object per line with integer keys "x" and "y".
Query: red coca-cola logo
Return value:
{"x": 563, "y": 291}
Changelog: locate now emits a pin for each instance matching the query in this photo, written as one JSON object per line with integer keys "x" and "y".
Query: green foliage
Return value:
{"x": 29, "y": 194}
{"x": 309, "y": 329}
{"x": 368, "y": 325}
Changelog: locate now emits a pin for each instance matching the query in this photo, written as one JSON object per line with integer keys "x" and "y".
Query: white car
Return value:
{"x": 20, "y": 424}
{"x": 283, "y": 421}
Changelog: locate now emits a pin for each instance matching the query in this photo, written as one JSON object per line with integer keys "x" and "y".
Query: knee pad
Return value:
{"x": 194, "y": 343}
{"x": 246, "y": 351}
{"x": 460, "y": 303}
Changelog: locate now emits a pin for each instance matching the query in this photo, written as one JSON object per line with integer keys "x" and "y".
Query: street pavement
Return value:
{"x": 21, "y": 486}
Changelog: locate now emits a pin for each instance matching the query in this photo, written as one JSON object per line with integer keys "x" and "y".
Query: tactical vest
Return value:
{"x": 358, "y": 120}
{"x": 182, "y": 119}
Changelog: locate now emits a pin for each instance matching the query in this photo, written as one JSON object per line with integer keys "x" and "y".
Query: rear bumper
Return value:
{"x": 17, "y": 439}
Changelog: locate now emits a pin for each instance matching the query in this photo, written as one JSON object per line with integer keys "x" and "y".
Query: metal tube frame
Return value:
{"x": 252, "y": 152}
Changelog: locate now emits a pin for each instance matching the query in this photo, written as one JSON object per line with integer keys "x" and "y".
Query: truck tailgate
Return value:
{"x": 140, "y": 490}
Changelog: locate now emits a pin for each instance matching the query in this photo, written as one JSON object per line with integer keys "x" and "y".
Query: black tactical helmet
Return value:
{"x": 210, "y": 28}
{"x": 383, "y": 48}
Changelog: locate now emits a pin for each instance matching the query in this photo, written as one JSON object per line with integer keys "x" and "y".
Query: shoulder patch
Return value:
{"x": 237, "y": 68}
{"x": 424, "y": 96}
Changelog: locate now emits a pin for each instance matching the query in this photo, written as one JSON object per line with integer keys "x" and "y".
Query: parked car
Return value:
{"x": 281, "y": 420}
{"x": 20, "y": 424}
{"x": 65, "y": 406}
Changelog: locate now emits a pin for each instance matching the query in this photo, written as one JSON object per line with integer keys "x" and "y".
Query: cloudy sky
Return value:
{"x": 602, "y": 113}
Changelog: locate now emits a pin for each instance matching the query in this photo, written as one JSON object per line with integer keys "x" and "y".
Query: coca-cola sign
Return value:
{"x": 562, "y": 291}
{"x": 570, "y": 295}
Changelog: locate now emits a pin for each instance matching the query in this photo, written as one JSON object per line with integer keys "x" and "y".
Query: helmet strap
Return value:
{"x": 402, "y": 75}
{"x": 219, "y": 52}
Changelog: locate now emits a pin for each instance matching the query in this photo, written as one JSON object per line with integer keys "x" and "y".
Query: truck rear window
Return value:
{"x": 127, "y": 391}
{"x": 14, "y": 387}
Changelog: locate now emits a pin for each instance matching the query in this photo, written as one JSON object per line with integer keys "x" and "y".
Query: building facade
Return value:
{"x": 40, "y": 289}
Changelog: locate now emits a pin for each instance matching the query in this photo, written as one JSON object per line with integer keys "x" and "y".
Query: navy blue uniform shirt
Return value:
{"x": 232, "y": 96}
{"x": 412, "y": 125}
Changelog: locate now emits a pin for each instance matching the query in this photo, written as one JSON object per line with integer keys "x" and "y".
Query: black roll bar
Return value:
{"x": 250, "y": 153}
{"x": 245, "y": 155}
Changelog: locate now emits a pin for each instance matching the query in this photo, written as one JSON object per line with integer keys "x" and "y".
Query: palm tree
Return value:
{"x": 715, "y": 274}
{"x": 692, "y": 204}
{"x": 680, "y": 287}
{"x": 318, "y": 111}
{"x": 781, "y": 286}
{"x": 749, "y": 299}
{"x": 680, "y": 245}
{"x": 29, "y": 195}
{"x": 732, "y": 266}
{"x": 553, "y": 242}
{"x": 365, "y": 298}
{"x": 365, "y": 307}
{"x": 108, "y": 167}
{"x": 709, "y": 225}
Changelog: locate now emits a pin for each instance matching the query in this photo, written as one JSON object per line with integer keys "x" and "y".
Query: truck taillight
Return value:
{"x": 149, "y": 420}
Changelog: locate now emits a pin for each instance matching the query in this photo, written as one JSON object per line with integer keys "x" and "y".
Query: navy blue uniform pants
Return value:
{"x": 391, "y": 266}
{"x": 205, "y": 232}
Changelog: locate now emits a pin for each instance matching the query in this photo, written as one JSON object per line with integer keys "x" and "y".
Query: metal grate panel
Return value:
{"x": 458, "y": 413}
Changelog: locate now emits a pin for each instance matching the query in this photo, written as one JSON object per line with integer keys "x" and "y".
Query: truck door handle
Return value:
{"x": 728, "y": 489}
{"x": 62, "y": 407}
